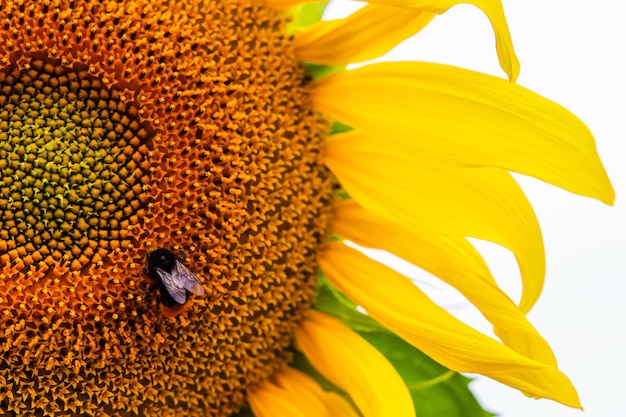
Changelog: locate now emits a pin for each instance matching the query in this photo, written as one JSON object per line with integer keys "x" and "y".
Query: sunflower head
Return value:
{"x": 128, "y": 127}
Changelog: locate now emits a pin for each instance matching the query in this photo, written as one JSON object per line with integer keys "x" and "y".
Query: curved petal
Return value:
{"x": 297, "y": 382}
{"x": 492, "y": 8}
{"x": 269, "y": 401}
{"x": 292, "y": 393}
{"x": 419, "y": 194}
{"x": 352, "y": 364}
{"x": 337, "y": 406}
{"x": 494, "y": 11}
{"x": 467, "y": 118}
{"x": 400, "y": 306}
{"x": 366, "y": 34}
{"x": 456, "y": 262}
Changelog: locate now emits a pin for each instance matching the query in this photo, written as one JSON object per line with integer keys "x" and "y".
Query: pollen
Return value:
{"x": 136, "y": 125}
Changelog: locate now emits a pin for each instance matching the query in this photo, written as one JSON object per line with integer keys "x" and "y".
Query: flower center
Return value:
{"x": 131, "y": 126}
{"x": 69, "y": 165}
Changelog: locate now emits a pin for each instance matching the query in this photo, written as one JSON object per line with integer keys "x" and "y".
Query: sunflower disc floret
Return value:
{"x": 72, "y": 162}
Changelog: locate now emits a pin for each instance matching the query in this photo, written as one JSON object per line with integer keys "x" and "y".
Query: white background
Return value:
{"x": 573, "y": 52}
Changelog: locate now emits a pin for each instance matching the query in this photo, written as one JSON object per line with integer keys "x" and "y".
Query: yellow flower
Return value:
{"x": 192, "y": 130}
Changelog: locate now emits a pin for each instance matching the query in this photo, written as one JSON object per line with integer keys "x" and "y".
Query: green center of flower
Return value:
{"x": 70, "y": 150}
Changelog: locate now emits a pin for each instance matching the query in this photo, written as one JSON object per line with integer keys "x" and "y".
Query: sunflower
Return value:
{"x": 179, "y": 180}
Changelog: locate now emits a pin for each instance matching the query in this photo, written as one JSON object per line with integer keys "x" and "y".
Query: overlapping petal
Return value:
{"x": 366, "y": 34}
{"x": 296, "y": 394}
{"x": 494, "y": 11}
{"x": 429, "y": 198}
{"x": 400, "y": 306}
{"x": 337, "y": 406}
{"x": 467, "y": 118}
{"x": 295, "y": 381}
{"x": 455, "y": 261}
{"x": 349, "y": 362}
{"x": 269, "y": 401}
{"x": 427, "y": 164}
{"x": 492, "y": 8}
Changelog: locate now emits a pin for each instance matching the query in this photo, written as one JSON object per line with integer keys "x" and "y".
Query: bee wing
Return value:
{"x": 173, "y": 285}
{"x": 188, "y": 279}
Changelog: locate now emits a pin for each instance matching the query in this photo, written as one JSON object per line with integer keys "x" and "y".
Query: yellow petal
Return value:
{"x": 304, "y": 390}
{"x": 494, "y": 11}
{"x": 456, "y": 262}
{"x": 467, "y": 118}
{"x": 352, "y": 364}
{"x": 337, "y": 406}
{"x": 269, "y": 401}
{"x": 400, "y": 306}
{"x": 366, "y": 34}
{"x": 492, "y": 8}
{"x": 302, "y": 385}
{"x": 424, "y": 196}
{"x": 292, "y": 393}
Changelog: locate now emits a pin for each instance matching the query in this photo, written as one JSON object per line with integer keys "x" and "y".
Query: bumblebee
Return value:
{"x": 174, "y": 280}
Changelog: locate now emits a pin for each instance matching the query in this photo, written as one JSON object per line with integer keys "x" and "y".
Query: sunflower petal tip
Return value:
{"x": 609, "y": 200}
{"x": 514, "y": 74}
{"x": 511, "y": 67}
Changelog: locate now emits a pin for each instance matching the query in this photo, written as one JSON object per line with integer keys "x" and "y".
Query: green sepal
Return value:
{"x": 306, "y": 14}
{"x": 317, "y": 71}
{"x": 339, "y": 127}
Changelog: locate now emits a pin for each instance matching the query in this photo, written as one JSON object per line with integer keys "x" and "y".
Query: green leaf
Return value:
{"x": 436, "y": 390}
